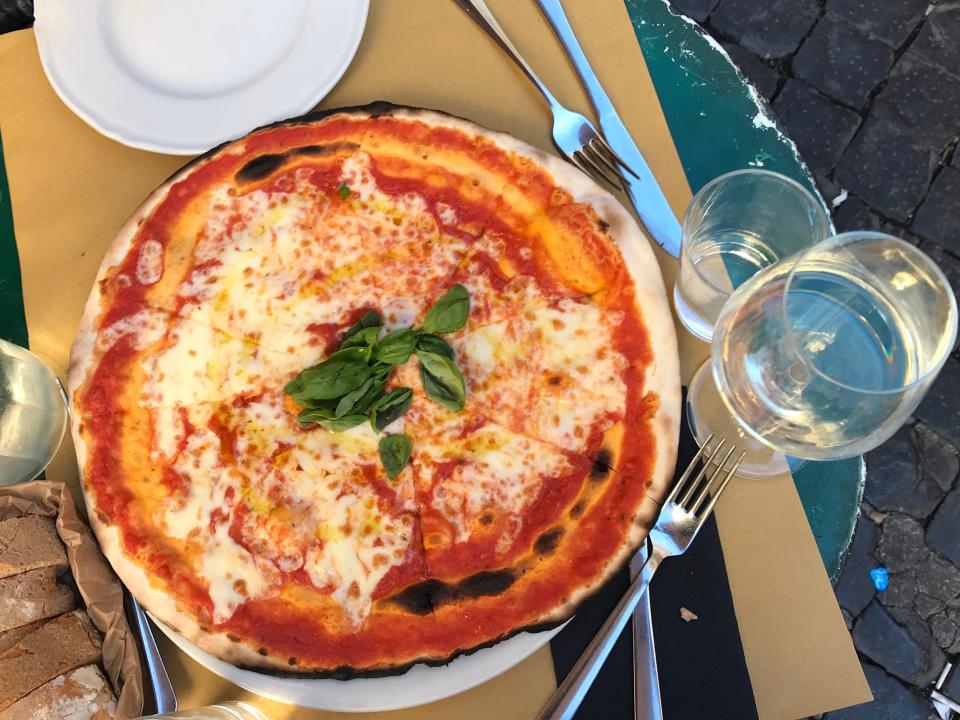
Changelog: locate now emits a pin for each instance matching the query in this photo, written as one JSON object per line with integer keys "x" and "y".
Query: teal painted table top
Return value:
{"x": 718, "y": 124}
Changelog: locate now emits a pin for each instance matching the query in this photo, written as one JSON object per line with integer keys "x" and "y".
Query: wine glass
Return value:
{"x": 825, "y": 357}
{"x": 738, "y": 224}
{"x": 33, "y": 414}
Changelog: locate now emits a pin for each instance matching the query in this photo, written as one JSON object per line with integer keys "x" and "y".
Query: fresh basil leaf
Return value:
{"x": 381, "y": 370}
{"x": 389, "y": 407}
{"x": 449, "y": 313}
{"x": 314, "y": 404}
{"x": 342, "y": 372}
{"x": 308, "y": 416}
{"x": 395, "y": 348}
{"x": 442, "y": 380}
{"x": 340, "y": 424}
{"x": 436, "y": 344}
{"x": 360, "y": 400}
{"x": 294, "y": 387}
{"x": 371, "y": 318}
{"x": 344, "y": 191}
{"x": 364, "y": 338}
{"x": 395, "y": 451}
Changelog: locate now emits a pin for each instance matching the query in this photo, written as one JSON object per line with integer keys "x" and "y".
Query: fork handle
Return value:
{"x": 565, "y": 700}
{"x": 553, "y": 11}
{"x": 482, "y": 16}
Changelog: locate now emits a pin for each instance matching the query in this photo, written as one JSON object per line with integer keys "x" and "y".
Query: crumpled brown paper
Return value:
{"x": 100, "y": 589}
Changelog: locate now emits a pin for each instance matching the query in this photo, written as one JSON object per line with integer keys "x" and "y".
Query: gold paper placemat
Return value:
{"x": 72, "y": 189}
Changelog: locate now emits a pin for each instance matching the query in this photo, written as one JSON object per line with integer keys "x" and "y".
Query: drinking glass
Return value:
{"x": 738, "y": 224}
{"x": 220, "y": 711}
{"x": 825, "y": 358}
{"x": 33, "y": 414}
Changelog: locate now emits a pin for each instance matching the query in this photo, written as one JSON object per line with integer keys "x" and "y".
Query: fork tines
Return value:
{"x": 698, "y": 489}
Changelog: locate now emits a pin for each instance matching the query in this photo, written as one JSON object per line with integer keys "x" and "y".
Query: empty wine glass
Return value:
{"x": 825, "y": 357}
{"x": 33, "y": 414}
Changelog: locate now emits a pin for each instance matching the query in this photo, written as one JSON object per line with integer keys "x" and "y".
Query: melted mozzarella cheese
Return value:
{"x": 575, "y": 338}
{"x": 550, "y": 372}
{"x": 150, "y": 262}
{"x": 200, "y": 364}
{"x": 496, "y": 468}
{"x": 233, "y": 573}
{"x": 142, "y": 329}
{"x": 341, "y": 534}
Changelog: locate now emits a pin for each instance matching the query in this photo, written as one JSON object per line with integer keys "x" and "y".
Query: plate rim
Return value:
{"x": 518, "y": 648}
{"x": 114, "y": 132}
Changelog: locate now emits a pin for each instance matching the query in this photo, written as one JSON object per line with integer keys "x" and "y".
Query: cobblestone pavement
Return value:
{"x": 870, "y": 92}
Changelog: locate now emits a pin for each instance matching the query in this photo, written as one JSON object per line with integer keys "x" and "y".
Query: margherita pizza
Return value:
{"x": 268, "y": 526}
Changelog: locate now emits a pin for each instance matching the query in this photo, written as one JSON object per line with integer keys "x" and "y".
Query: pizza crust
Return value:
{"x": 662, "y": 376}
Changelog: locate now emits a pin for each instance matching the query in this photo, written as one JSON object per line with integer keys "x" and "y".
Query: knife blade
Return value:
{"x": 646, "y": 681}
{"x": 643, "y": 190}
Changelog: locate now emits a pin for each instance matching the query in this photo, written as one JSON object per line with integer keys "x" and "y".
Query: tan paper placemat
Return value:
{"x": 72, "y": 189}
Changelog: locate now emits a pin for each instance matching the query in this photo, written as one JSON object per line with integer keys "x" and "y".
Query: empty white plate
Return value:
{"x": 181, "y": 76}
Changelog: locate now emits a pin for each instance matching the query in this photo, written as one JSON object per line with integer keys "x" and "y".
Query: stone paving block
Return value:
{"x": 901, "y": 547}
{"x": 943, "y": 533}
{"x": 821, "y": 128}
{"x": 938, "y": 411}
{"x": 902, "y": 651}
{"x": 892, "y": 700}
{"x": 699, "y": 10}
{"x": 938, "y": 459}
{"x": 944, "y": 629}
{"x": 938, "y": 218}
{"x": 925, "y": 98}
{"x": 939, "y": 38}
{"x": 842, "y": 62}
{"x": 895, "y": 482}
{"x": 889, "y": 20}
{"x": 901, "y": 591}
{"x": 886, "y": 168}
{"x": 853, "y": 214}
{"x": 939, "y": 579}
{"x": 921, "y": 634}
{"x": 854, "y": 587}
{"x": 758, "y": 72}
{"x": 925, "y": 606}
{"x": 771, "y": 29}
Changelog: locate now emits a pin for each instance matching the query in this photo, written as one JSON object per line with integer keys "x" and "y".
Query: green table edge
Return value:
{"x": 718, "y": 123}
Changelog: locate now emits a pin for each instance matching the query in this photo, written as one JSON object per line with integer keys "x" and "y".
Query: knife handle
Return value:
{"x": 553, "y": 11}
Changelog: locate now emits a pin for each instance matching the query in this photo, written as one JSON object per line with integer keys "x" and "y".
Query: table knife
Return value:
{"x": 646, "y": 680}
{"x": 643, "y": 190}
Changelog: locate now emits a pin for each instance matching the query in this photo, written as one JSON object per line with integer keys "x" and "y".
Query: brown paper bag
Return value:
{"x": 100, "y": 589}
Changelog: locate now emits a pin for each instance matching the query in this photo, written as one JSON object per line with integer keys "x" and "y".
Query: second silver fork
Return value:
{"x": 573, "y": 134}
{"x": 684, "y": 512}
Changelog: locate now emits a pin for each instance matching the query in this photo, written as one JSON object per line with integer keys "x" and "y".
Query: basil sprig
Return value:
{"x": 348, "y": 387}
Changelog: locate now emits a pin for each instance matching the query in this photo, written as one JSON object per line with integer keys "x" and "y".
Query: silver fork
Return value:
{"x": 683, "y": 513}
{"x": 574, "y": 135}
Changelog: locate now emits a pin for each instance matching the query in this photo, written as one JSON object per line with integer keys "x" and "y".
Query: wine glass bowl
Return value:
{"x": 825, "y": 357}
